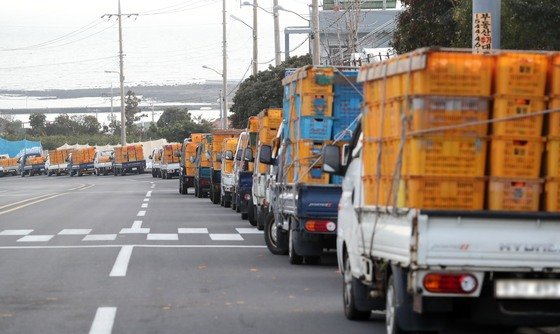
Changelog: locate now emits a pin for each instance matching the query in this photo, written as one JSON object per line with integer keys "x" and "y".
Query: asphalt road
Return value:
{"x": 131, "y": 255}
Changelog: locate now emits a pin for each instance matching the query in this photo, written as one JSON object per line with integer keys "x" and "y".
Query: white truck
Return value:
{"x": 103, "y": 162}
{"x": 427, "y": 268}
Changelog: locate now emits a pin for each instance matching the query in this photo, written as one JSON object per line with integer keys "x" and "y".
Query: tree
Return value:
{"x": 38, "y": 123}
{"x": 131, "y": 111}
{"x": 526, "y": 25}
{"x": 89, "y": 124}
{"x": 176, "y": 124}
{"x": 425, "y": 23}
{"x": 261, "y": 91}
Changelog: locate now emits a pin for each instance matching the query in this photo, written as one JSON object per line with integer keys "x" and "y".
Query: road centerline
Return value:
{"x": 121, "y": 263}
{"x": 103, "y": 320}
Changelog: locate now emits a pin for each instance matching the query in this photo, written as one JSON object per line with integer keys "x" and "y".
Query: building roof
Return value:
{"x": 332, "y": 21}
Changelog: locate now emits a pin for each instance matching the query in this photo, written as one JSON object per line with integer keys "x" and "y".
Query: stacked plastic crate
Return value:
{"x": 517, "y": 145}
{"x": 552, "y": 202}
{"x": 347, "y": 106}
{"x": 308, "y": 103}
{"x": 418, "y": 152}
{"x": 269, "y": 122}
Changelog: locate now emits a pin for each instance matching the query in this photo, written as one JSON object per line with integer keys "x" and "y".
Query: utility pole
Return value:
{"x": 277, "y": 52}
{"x": 119, "y": 16}
{"x": 490, "y": 13}
{"x": 224, "y": 70}
{"x": 315, "y": 32}
{"x": 255, "y": 38}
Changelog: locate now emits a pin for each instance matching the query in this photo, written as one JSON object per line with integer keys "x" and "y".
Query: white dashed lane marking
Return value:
{"x": 146, "y": 199}
{"x": 145, "y": 205}
{"x": 103, "y": 321}
{"x": 100, "y": 237}
{"x": 121, "y": 263}
{"x": 141, "y": 213}
{"x": 163, "y": 236}
{"x": 226, "y": 237}
{"x": 248, "y": 230}
{"x": 149, "y": 194}
{"x": 193, "y": 230}
{"x": 16, "y": 232}
{"x": 70, "y": 231}
{"x": 35, "y": 238}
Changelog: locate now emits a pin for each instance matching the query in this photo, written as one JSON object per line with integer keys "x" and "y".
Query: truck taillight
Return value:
{"x": 247, "y": 196}
{"x": 320, "y": 226}
{"x": 450, "y": 283}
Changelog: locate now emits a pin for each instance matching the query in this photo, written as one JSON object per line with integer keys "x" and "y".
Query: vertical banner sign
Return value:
{"x": 482, "y": 33}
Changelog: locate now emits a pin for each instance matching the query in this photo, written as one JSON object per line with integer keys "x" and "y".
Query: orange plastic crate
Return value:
{"x": 435, "y": 112}
{"x": 317, "y": 105}
{"x": 514, "y": 195}
{"x": 552, "y": 195}
{"x": 384, "y": 120}
{"x": 555, "y": 75}
{"x": 302, "y": 173}
{"x": 445, "y": 193}
{"x": 518, "y": 158}
{"x": 318, "y": 80}
{"x": 453, "y": 74}
{"x": 307, "y": 150}
{"x": 197, "y": 137}
{"x": 443, "y": 156}
{"x": 521, "y": 74}
{"x": 511, "y": 106}
{"x": 553, "y": 157}
{"x": 554, "y": 117}
{"x": 381, "y": 191}
{"x": 253, "y": 124}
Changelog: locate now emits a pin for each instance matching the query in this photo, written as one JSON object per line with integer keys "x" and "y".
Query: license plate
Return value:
{"x": 530, "y": 288}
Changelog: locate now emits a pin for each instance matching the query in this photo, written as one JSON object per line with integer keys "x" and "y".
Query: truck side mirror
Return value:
{"x": 331, "y": 159}
{"x": 238, "y": 155}
{"x": 150, "y": 157}
{"x": 248, "y": 156}
{"x": 218, "y": 156}
{"x": 265, "y": 155}
{"x": 229, "y": 155}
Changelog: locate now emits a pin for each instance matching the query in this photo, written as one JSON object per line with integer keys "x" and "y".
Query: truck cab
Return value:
{"x": 156, "y": 162}
{"x": 170, "y": 158}
{"x": 102, "y": 163}
{"x": 31, "y": 164}
{"x": 229, "y": 147}
{"x": 187, "y": 168}
{"x": 243, "y": 176}
{"x": 203, "y": 172}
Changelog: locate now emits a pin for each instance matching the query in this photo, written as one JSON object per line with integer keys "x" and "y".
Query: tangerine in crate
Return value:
{"x": 514, "y": 194}
{"x": 518, "y": 158}
{"x": 530, "y": 126}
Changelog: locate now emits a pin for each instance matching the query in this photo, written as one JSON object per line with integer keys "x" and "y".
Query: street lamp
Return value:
{"x": 314, "y": 22}
{"x": 277, "y": 52}
{"x": 223, "y": 98}
{"x": 255, "y": 42}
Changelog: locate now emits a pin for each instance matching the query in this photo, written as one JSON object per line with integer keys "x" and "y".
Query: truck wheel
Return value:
{"x": 233, "y": 202}
{"x": 22, "y": 174}
{"x": 216, "y": 198}
{"x": 261, "y": 217}
{"x": 222, "y": 201}
{"x": 294, "y": 257}
{"x": 251, "y": 213}
{"x": 312, "y": 260}
{"x": 244, "y": 216}
{"x": 391, "y": 321}
{"x": 227, "y": 204}
{"x": 273, "y": 243}
{"x": 181, "y": 186}
{"x": 348, "y": 293}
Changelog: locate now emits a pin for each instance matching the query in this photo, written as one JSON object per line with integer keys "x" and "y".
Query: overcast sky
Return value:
{"x": 64, "y": 43}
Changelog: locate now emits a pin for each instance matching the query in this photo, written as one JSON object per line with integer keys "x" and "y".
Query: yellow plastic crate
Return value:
{"x": 511, "y": 106}
{"x": 521, "y": 74}
{"x": 302, "y": 173}
{"x": 382, "y": 191}
{"x": 443, "y": 156}
{"x": 514, "y": 195}
{"x": 445, "y": 193}
{"x": 197, "y": 137}
{"x": 271, "y": 118}
{"x": 384, "y": 120}
{"x": 307, "y": 150}
{"x": 554, "y": 118}
{"x": 518, "y": 158}
{"x": 318, "y": 80}
{"x": 372, "y": 91}
{"x": 430, "y": 112}
{"x": 453, "y": 74}
{"x": 316, "y": 105}
{"x": 555, "y": 75}
{"x": 552, "y": 195}
{"x": 553, "y": 157}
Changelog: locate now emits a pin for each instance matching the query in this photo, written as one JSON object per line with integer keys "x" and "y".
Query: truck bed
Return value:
{"x": 486, "y": 240}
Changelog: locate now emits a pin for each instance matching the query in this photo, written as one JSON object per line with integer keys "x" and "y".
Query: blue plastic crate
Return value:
{"x": 340, "y": 125}
{"x": 314, "y": 128}
{"x": 336, "y": 179}
{"x": 285, "y": 129}
{"x": 347, "y": 101}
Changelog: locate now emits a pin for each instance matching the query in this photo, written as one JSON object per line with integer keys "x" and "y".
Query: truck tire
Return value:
{"x": 244, "y": 216}
{"x": 350, "y": 287}
{"x": 251, "y": 213}
{"x": 391, "y": 321}
{"x": 293, "y": 256}
{"x": 273, "y": 243}
{"x": 222, "y": 201}
{"x": 199, "y": 192}
{"x": 215, "y": 197}
{"x": 261, "y": 217}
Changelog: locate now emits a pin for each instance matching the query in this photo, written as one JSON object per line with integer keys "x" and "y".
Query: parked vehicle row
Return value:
{"x": 387, "y": 165}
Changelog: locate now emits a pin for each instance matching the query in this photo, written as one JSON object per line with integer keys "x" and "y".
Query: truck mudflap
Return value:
{"x": 318, "y": 201}
{"x": 312, "y": 244}
{"x": 216, "y": 176}
{"x": 189, "y": 180}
